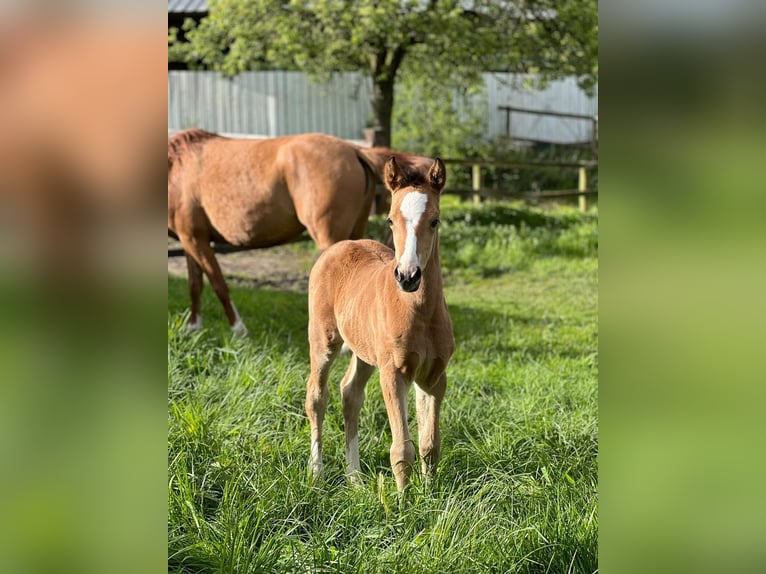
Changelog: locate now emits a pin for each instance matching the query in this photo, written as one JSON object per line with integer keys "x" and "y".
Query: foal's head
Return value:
{"x": 414, "y": 219}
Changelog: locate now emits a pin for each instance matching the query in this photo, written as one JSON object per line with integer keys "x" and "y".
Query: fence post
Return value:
{"x": 476, "y": 179}
{"x": 581, "y": 188}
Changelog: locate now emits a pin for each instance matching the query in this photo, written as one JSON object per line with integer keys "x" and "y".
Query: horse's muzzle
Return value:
{"x": 408, "y": 283}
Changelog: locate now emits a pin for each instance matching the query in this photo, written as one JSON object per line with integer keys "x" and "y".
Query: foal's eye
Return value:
{"x": 434, "y": 224}
{"x": 390, "y": 222}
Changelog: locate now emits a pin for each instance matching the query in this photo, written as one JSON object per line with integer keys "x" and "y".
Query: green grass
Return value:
{"x": 517, "y": 484}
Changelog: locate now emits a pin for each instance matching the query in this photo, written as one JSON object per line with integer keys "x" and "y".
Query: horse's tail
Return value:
{"x": 373, "y": 177}
{"x": 374, "y": 159}
{"x": 181, "y": 143}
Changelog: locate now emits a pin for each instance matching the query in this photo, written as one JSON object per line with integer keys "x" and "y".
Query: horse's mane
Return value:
{"x": 180, "y": 143}
{"x": 412, "y": 168}
{"x": 410, "y": 176}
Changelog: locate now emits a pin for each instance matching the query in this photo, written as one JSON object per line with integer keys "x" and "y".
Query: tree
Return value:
{"x": 442, "y": 39}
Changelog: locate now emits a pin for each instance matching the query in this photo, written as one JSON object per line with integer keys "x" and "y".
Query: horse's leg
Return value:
{"x": 204, "y": 256}
{"x": 352, "y": 397}
{"x": 323, "y": 351}
{"x": 428, "y": 405}
{"x": 395, "y": 388}
{"x": 194, "y": 272}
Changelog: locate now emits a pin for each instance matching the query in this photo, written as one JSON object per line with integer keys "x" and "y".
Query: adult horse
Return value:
{"x": 388, "y": 307}
{"x": 261, "y": 193}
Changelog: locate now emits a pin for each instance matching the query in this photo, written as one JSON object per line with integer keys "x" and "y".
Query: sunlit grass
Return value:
{"x": 517, "y": 483}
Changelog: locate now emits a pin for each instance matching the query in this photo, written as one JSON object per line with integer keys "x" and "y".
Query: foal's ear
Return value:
{"x": 437, "y": 175}
{"x": 392, "y": 174}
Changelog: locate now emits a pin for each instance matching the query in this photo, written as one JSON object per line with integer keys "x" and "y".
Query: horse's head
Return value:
{"x": 414, "y": 219}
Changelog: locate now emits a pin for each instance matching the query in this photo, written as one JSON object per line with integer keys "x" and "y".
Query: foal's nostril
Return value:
{"x": 408, "y": 283}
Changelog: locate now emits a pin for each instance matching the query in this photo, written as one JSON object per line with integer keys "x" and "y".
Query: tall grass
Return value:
{"x": 516, "y": 486}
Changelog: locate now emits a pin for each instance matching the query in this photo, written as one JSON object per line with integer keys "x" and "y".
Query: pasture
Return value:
{"x": 516, "y": 487}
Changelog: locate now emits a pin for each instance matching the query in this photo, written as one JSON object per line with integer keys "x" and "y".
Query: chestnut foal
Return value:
{"x": 389, "y": 309}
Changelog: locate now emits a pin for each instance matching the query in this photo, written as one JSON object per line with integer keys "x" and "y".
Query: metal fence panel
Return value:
{"x": 276, "y": 103}
{"x": 560, "y": 96}
{"x": 268, "y": 103}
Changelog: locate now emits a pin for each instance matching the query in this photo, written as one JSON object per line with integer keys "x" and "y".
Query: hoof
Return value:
{"x": 355, "y": 479}
{"x": 191, "y": 327}
{"x": 316, "y": 470}
{"x": 239, "y": 329}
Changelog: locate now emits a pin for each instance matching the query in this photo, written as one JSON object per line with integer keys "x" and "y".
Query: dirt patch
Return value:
{"x": 285, "y": 267}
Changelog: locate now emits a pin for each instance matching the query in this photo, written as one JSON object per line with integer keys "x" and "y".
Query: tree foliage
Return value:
{"x": 434, "y": 118}
{"x": 448, "y": 41}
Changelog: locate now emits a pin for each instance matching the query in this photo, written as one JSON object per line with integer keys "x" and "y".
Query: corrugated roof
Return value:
{"x": 187, "y": 6}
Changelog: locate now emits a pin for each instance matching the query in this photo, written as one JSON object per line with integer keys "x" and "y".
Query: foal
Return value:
{"x": 389, "y": 308}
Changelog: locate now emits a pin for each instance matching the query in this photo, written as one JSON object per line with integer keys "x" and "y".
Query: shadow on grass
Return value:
{"x": 282, "y": 317}
{"x": 272, "y": 313}
{"x": 479, "y": 331}
{"x": 503, "y": 214}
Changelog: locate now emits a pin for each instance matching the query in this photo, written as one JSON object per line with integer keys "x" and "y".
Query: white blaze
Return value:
{"x": 413, "y": 205}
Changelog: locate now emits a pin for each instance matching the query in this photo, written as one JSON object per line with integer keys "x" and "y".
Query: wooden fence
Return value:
{"x": 478, "y": 192}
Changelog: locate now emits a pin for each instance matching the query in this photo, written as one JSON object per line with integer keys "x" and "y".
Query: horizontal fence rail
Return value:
{"x": 478, "y": 192}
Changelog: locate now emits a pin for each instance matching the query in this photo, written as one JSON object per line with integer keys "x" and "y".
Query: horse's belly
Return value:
{"x": 360, "y": 339}
{"x": 254, "y": 228}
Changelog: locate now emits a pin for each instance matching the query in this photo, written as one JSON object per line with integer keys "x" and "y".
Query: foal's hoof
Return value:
{"x": 238, "y": 329}
{"x": 316, "y": 472}
{"x": 355, "y": 479}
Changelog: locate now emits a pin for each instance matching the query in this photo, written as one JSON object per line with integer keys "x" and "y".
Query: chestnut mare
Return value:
{"x": 389, "y": 308}
{"x": 261, "y": 193}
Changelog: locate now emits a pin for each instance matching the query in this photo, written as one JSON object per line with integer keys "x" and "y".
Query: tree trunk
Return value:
{"x": 382, "y": 100}
{"x": 385, "y": 65}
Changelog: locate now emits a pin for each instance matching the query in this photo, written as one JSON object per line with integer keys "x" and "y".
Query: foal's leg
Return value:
{"x": 395, "y": 387}
{"x": 200, "y": 250}
{"x": 323, "y": 352}
{"x": 428, "y": 405}
{"x": 196, "y": 284}
{"x": 352, "y": 397}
